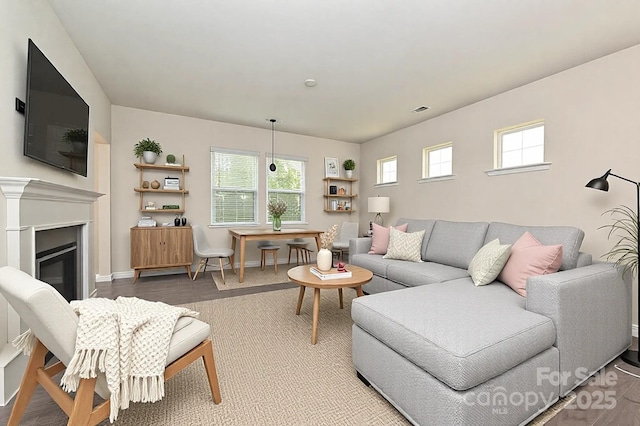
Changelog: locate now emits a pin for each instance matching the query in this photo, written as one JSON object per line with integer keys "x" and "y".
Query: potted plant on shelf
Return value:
{"x": 276, "y": 210}
{"x": 147, "y": 149}
{"x": 349, "y": 166}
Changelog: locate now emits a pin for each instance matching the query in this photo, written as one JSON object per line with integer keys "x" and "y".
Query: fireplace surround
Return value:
{"x": 35, "y": 206}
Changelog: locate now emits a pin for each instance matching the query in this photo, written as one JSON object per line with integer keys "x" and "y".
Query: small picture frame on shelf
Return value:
{"x": 333, "y": 189}
{"x": 331, "y": 168}
{"x": 171, "y": 183}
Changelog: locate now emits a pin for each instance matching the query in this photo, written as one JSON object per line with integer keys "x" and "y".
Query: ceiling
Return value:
{"x": 245, "y": 61}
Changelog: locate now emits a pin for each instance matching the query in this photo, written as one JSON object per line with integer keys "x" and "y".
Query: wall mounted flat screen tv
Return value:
{"x": 56, "y": 117}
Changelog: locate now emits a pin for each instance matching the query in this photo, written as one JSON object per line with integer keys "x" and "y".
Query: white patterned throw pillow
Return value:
{"x": 488, "y": 262}
{"x": 405, "y": 246}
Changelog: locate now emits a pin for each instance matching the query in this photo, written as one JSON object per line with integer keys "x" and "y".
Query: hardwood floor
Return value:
{"x": 593, "y": 406}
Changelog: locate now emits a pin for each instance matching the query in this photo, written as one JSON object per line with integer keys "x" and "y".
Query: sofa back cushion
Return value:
{"x": 455, "y": 243}
{"x": 569, "y": 236}
{"x": 415, "y": 225}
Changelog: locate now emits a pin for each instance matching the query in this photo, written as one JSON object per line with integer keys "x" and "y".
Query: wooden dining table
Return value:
{"x": 255, "y": 234}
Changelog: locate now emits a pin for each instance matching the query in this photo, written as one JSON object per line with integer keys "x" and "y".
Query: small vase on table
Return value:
{"x": 324, "y": 259}
{"x": 277, "y": 223}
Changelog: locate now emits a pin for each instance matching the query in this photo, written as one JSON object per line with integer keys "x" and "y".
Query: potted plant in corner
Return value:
{"x": 147, "y": 149}
{"x": 349, "y": 166}
{"x": 624, "y": 230}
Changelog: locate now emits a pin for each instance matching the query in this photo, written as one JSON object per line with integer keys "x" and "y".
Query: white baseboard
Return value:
{"x": 104, "y": 278}
{"x": 212, "y": 266}
{"x": 634, "y": 330}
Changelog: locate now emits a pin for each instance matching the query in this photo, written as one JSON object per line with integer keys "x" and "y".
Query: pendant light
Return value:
{"x": 272, "y": 166}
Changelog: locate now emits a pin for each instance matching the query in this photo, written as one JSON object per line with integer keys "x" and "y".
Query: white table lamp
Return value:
{"x": 378, "y": 205}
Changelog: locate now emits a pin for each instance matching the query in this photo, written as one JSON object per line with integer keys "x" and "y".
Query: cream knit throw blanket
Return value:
{"x": 128, "y": 340}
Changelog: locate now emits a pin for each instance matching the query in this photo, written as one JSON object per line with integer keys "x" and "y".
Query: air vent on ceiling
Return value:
{"x": 420, "y": 109}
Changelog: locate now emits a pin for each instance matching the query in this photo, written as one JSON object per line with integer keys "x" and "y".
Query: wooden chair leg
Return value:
{"x": 222, "y": 270}
{"x": 275, "y": 260}
{"x": 233, "y": 268}
{"x": 212, "y": 375}
{"x": 289, "y": 258}
{"x": 83, "y": 403}
{"x": 203, "y": 262}
{"x": 262, "y": 260}
{"x": 29, "y": 383}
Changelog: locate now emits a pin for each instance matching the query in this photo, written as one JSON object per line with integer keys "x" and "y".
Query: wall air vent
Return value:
{"x": 420, "y": 109}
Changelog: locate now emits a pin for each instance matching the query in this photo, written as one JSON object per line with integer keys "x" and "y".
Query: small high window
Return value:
{"x": 520, "y": 145}
{"x": 437, "y": 160}
{"x": 388, "y": 170}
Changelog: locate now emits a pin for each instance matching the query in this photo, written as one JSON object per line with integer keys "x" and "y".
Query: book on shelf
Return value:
{"x": 332, "y": 274}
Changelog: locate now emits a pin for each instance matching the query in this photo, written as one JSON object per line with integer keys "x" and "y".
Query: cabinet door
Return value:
{"x": 147, "y": 247}
{"x": 179, "y": 245}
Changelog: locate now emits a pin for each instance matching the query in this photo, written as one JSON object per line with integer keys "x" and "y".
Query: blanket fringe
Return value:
{"x": 85, "y": 364}
{"x": 25, "y": 342}
{"x": 142, "y": 389}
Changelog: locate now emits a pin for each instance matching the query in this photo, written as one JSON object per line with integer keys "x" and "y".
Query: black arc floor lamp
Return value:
{"x": 628, "y": 356}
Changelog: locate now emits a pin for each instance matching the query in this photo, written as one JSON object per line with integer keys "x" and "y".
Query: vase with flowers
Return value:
{"x": 325, "y": 257}
{"x": 276, "y": 210}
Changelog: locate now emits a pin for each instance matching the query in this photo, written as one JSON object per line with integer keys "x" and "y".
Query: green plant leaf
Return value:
{"x": 624, "y": 231}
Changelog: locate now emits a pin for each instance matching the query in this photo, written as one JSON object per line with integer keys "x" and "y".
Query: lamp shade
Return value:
{"x": 378, "y": 204}
{"x": 600, "y": 183}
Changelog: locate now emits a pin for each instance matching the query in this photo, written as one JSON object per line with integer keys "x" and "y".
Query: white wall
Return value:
{"x": 19, "y": 21}
{"x": 592, "y": 123}
{"x": 193, "y": 138}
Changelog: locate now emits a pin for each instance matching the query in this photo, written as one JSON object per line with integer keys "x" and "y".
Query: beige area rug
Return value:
{"x": 268, "y": 370}
{"x": 253, "y": 277}
{"x": 551, "y": 412}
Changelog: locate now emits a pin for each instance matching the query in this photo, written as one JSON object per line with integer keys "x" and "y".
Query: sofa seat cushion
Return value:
{"x": 459, "y": 333}
{"x": 373, "y": 262}
{"x": 414, "y": 274}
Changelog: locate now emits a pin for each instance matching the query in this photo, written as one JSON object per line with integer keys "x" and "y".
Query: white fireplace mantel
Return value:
{"x": 34, "y": 205}
{"x": 37, "y": 189}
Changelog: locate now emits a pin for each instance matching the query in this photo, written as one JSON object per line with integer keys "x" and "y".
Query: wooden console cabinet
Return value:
{"x": 161, "y": 247}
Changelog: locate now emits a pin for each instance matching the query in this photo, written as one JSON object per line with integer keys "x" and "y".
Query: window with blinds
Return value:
{"x": 287, "y": 183}
{"x": 234, "y": 187}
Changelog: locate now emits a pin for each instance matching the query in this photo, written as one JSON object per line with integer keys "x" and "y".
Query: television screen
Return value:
{"x": 56, "y": 117}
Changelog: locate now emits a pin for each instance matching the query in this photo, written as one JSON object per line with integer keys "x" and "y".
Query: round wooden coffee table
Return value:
{"x": 301, "y": 275}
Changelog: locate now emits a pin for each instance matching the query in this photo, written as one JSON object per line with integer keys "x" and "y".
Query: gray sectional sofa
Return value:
{"x": 446, "y": 352}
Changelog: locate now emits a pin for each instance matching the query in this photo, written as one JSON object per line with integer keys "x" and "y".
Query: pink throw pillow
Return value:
{"x": 380, "y": 238}
{"x": 529, "y": 258}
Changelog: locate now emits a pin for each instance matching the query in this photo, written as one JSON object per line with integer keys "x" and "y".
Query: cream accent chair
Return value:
{"x": 54, "y": 323}
{"x": 204, "y": 251}
{"x": 348, "y": 230}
